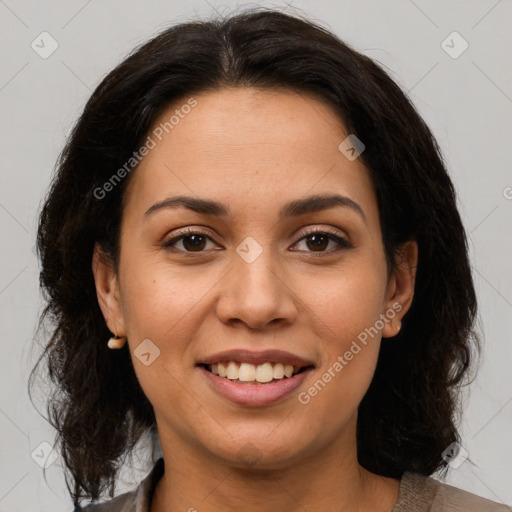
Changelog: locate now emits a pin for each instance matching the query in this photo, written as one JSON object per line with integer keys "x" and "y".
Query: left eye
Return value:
{"x": 195, "y": 241}
{"x": 319, "y": 239}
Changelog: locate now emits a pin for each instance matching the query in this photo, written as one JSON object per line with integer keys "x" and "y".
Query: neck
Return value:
{"x": 329, "y": 480}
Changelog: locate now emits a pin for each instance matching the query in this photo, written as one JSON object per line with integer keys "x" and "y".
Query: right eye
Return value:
{"x": 192, "y": 241}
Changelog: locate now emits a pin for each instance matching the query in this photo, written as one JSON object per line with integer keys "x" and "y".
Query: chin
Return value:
{"x": 258, "y": 452}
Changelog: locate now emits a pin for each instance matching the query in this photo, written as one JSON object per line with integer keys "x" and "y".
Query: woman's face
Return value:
{"x": 255, "y": 279}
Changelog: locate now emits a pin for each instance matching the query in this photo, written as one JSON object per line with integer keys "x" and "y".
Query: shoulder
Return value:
{"x": 425, "y": 494}
{"x": 138, "y": 500}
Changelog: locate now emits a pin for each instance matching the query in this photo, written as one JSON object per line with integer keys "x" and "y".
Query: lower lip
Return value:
{"x": 255, "y": 394}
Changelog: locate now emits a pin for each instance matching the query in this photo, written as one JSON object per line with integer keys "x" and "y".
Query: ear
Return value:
{"x": 400, "y": 290}
{"x": 107, "y": 291}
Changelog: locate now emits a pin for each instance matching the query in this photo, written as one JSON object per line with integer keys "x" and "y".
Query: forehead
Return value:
{"x": 249, "y": 148}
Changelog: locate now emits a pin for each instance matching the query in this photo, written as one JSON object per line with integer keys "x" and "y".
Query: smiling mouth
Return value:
{"x": 247, "y": 373}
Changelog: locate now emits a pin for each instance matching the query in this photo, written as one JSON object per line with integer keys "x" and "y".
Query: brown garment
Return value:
{"x": 417, "y": 493}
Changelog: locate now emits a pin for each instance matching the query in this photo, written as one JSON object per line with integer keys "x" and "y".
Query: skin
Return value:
{"x": 254, "y": 151}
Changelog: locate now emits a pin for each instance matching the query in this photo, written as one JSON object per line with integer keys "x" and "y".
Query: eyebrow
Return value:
{"x": 294, "y": 208}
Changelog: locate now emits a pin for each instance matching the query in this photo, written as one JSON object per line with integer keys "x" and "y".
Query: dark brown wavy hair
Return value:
{"x": 410, "y": 413}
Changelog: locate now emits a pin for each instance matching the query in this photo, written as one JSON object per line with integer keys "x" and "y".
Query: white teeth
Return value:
{"x": 232, "y": 371}
{"x": 246, "y": 372}
{"x": 278, "y": 371}
{"x": 222, "y": 369}
{"x": 288, "y": 370}
{"x": 264, "y": 372}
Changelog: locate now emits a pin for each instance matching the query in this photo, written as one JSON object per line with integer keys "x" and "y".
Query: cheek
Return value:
{"x": 343, "y": 323}
{"x": 161, "y": 305}
{"x": 158, "y": 300}
{"x": 345, "y": 302}
{"x": 347, "y": 322}
{"x": 166, "y": 305}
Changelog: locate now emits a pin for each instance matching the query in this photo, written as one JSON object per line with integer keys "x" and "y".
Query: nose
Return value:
{"x": 257, "y": 293}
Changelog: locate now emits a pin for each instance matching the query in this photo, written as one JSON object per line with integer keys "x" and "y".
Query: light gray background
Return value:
{"x": 467, "y": 101}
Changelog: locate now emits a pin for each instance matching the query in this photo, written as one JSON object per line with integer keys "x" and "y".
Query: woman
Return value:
{"x": 262, "y": 224}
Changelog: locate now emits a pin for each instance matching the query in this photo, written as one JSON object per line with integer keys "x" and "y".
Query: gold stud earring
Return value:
{"x": 116, "y": 342}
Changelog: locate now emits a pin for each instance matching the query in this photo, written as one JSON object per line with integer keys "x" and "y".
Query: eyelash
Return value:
{"x": 342, "y": 242}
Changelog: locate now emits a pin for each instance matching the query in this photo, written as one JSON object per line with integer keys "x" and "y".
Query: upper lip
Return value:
{"x": 257, "y": 357}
